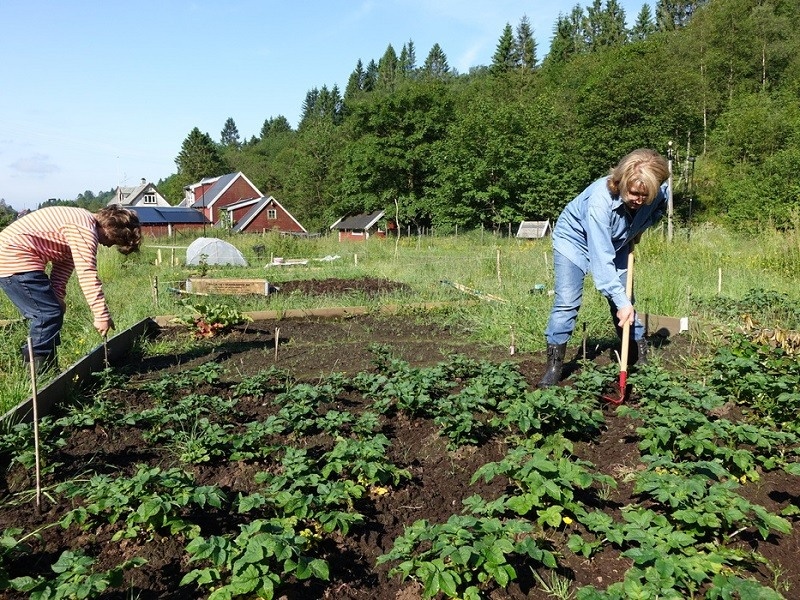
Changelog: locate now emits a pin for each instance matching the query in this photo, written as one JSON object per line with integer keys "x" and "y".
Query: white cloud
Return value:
{"x": 35, "y": 164}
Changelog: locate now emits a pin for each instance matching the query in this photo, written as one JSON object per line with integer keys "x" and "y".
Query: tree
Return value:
{"x": 562, "y": 45}
{"x": 355, "y": 83}
{"x": 230, "y": 134}
{"x": 387, "y": 69}
{"x": 525, "y": 45}
{"x": 275, "y": 126}
{"x": 322, "y": 104}
{"x": 644, "y": 26}
{"x": 7, "y": 214}
{"x": 370, "y": 76}
{"x": 199, "y": 157}
{"x": 408, "y": 60}
{"x": 503, "y": 59}
{"x": 615, "y": 32}
{"x": 675, "y": 14}
{"x": 393, "y": 139}
{"x": 605, "y": 27}
{"x": 436, "y": 63}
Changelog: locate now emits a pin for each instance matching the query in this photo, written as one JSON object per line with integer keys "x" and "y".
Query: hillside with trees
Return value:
{"x": 516, "y": 139}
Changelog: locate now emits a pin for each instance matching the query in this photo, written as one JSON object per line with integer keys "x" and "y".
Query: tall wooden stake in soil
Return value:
{"x": 34, "y": 397}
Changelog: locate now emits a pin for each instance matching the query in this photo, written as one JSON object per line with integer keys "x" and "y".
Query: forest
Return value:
{"x": 713, "y": 83}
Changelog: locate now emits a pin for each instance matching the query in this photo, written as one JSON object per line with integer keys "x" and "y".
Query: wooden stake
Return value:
{"x": 719, "y": 280}
{"x": 277, "y": 339}
{"x": 584, "y": 341}
{"x": 155, "y": 290}
{"x": 512, "y": 349}
{"x": 35, "y": 399}
{"x": 499, "y": 280}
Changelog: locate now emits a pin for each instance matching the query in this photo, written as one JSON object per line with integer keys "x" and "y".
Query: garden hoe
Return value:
{"x": 626, "y": 342}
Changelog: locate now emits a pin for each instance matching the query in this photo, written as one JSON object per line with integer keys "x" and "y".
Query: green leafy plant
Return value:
{"x": 75, "y": 578}
{"x": 460, "y": 557}
{"x": 255, "y": 562}
{"x": 150, "y": 500}
{"x": 210, "y": 319}
{"x": 300, "y": 490}
{"x": 546, "y": 480}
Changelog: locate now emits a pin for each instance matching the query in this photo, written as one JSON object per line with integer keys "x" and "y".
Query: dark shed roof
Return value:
{"x": 358, "y": 222}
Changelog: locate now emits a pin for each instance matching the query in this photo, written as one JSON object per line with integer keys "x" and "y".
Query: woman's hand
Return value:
{"x": 626, "y": 315}
{"x": 104, "y": 327}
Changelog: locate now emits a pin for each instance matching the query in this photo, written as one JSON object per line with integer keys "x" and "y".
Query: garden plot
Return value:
{"x": 391, "y": 457}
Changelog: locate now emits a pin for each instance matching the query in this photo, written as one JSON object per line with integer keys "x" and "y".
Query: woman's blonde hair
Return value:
{"x": 643, "y": 166}
{"x": 121, "y": 227}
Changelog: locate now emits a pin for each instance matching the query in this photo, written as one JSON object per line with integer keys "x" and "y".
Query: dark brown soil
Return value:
{"x": 311, "y": 349}
{"x": 367, "y": 286}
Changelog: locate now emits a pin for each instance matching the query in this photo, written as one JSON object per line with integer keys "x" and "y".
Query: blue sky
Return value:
{"x": 98, "y": 93}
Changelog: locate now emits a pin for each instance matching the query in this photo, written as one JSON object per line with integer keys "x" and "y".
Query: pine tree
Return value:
{"x": 615, "y": 34}
{"x": 355, "y": 83}
{"x": 387, "y": 69}
{"x": 675, "y": 14}
{"x": 525, "y": 45}
{"x": 644, "y": 26}
{"x": 408, "y": 60}
{"x": 230, "y": 134}
{"x": 562, "y": 46}
{"x": 370, "y": 76}
{"x": 275, "y": 126}
{"x": 436, "y": 63}
{"x": 199, "y": 157}
{"x": 503, "y": 59}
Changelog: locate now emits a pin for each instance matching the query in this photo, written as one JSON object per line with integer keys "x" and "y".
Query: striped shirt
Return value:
{"x": 63, "y": 236}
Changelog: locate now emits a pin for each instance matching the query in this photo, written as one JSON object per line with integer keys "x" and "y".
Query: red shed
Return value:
{"x": 359, "y": 227}
{"x": 263, "y": 214}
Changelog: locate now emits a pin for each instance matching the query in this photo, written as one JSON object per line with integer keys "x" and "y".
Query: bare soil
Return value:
{"x": 311, "y": 349}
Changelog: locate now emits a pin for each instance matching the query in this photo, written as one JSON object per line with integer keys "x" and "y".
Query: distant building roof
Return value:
{"x": 161, "y": 215}
{"x": 359, "y": 222}
{"x": 215, "y": 190}
{"x": 259, "y": 205}
{"x": 533, "y": 229}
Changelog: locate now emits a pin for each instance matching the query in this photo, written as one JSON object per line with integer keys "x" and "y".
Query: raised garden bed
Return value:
{"x": 303, "y": 470}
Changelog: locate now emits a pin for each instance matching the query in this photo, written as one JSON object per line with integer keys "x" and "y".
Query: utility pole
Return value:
{"x": 670, "y": 156}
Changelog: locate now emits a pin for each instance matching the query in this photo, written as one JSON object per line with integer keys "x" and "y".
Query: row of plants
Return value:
{"x": 681, "y": 536}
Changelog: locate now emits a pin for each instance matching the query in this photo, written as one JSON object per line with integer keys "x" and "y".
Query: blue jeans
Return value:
{"x": 568, "y": 297}
{"x": 32, "y": 293}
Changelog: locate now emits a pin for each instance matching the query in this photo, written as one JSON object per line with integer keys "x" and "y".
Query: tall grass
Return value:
{"x": 670, "y": 277}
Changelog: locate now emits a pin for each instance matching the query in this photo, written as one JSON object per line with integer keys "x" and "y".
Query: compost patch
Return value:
{"x": 311, "y": 349}
{"x": 367, "y": 286}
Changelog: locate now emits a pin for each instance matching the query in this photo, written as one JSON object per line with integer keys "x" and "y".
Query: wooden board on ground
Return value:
{"x": 231, "y": 287}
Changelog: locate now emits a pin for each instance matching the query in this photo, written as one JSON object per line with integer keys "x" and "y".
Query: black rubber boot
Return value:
{"x": 45, "y": 363}
{"x": 555, "y": 361}
{"x": 641, "y": 351}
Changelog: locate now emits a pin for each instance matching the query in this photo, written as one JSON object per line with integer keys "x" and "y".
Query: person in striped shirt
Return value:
{"x": 67, "y": 238}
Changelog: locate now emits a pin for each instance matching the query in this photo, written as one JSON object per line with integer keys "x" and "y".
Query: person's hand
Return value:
{"x": 63, "y": 304}
{"x": 626, "y": 315}
{"x": 637, "y": 238}
{"x": 104, "y": 327}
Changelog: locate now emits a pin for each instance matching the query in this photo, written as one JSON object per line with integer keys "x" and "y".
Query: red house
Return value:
{"x": 262, "y": 214}
{"x": 211, "y": 195}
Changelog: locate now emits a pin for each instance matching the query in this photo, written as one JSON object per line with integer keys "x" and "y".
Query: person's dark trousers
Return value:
{"x": 32, "y": 293}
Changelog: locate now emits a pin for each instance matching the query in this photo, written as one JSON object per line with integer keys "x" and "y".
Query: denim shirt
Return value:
{"x": 594, "y": 232}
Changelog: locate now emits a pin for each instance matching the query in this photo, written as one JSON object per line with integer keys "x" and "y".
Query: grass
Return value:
{"x": 670, "y": 278}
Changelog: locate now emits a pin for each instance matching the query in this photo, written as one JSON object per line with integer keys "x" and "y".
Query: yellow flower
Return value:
{"x": 567, "y": 521}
